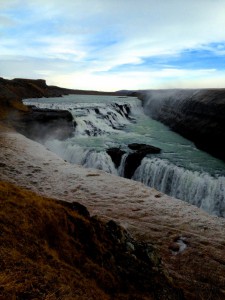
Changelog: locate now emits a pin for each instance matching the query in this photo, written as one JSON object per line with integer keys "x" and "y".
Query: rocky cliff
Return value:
{"x": 198, "y": 115}
{"x": 20, "y": 88}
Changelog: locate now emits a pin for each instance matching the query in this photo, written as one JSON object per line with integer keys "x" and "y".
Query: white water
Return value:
{"x": 192, "y": 186}
{"x": 102, "y": 122}
{"x": 122, "y": 165}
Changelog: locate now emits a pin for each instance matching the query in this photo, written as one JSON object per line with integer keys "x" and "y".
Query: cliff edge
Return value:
{"x": 198, "y": 115}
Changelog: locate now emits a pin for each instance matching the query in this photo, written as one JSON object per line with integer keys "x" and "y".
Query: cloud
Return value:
{"x": 164, "y": 78}
{"x": 111, "y": 38}
{"x": 8, "y": 4}
{"x": 6, "y": 21}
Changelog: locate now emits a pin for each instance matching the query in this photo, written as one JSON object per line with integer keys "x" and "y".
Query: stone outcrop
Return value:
{"x": 134, "y": 157}
{"x": 147, "y": 149}
{"x": 116, "y": 155}
{"x": 132, "y": 162}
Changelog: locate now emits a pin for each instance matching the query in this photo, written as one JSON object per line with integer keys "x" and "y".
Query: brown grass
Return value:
{"x": 36, "y": 258}
{"x": 54, "y": 250}
{"x": 18, "y": 105}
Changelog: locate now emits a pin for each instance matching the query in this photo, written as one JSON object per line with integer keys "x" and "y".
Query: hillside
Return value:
{"x": 54, "y": 250}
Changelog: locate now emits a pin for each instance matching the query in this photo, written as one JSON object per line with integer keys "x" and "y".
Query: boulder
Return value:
{"x": 134, "y": 159}
{"x": 116, "y": 155}
{"x": 132, "y": 162}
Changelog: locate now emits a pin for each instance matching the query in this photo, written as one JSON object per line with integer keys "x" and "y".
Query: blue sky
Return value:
{"x": 114, "y": 44}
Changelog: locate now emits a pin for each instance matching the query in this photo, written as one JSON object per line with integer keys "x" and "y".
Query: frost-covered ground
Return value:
{"x": 191, "y": 242}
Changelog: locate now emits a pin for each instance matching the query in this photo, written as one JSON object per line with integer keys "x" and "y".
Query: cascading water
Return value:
{"x": 122, "y": 165}
{"x": 103, "y": 122}
{"x": 77, "y": 155}
{"x": 194, "y": 187}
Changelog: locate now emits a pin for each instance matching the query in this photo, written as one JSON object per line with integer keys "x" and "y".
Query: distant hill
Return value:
{"x": 12, "y": 92}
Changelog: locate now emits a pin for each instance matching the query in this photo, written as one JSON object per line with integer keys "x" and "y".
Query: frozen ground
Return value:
{"x": 195, "y": 263}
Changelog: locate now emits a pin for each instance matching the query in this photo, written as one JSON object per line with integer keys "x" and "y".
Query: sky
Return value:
{"x": 110, "y": 45}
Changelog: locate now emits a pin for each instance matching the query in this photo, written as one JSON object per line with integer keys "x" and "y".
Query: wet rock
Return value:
{"x": 132, "y": 162}
{"x": 116, "y": 155}
{"x": 97, "y": 111}
{"x": 148, "y": 149}
{"x": 134, "y": 159}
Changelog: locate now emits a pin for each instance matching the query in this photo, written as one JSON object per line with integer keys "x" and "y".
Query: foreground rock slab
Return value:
{"x": 191, "y": 243}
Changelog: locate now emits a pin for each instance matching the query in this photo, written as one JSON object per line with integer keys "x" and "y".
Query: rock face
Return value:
{"x": 148, "y": 149}
{"x": 198, "y": 115}
{"x": 134, "y": 158}
{"x": 20, "y": 88}
{"x": 116, "y": 155}
{"x": 132, "y": 162}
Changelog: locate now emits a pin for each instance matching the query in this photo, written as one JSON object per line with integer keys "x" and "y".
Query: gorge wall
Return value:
{"x": 198, "y": 115}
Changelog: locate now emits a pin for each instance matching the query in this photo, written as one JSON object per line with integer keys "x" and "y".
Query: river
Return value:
{"x": 102, "y": 122}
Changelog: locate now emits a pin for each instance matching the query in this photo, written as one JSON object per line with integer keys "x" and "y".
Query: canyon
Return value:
{"x": 188, "y": 257}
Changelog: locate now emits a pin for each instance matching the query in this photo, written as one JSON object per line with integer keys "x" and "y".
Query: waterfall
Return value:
{"x": 98, "y": 121}
{"x": 99, "y": 161}
{"x": 194, "y": 187}
{"x": 101, "y": 123}
{"x": 122, "y": 165}
{"x": 76, "y": 154}
{"x": 97, "y": 118}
